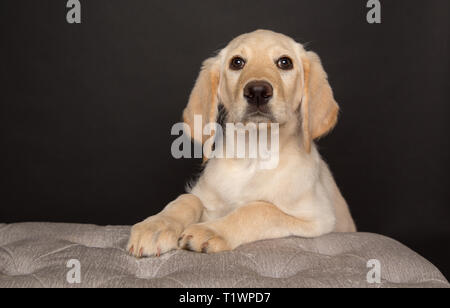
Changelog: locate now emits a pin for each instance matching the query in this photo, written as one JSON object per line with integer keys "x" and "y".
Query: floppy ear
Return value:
{"x": 319, "y": 110}
{"x": 203, "y": 100}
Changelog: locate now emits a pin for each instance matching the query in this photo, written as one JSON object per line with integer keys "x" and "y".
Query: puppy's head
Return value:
{"x": 265, "y": 76}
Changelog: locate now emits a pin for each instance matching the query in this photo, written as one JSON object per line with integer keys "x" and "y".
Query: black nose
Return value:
{"x": 258, "y": 92}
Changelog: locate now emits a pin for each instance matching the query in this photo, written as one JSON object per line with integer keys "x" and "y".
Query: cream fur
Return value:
{"x": 234, "y": 202}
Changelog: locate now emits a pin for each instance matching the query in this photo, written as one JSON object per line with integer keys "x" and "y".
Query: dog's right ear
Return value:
{"x": 203, "y": 100}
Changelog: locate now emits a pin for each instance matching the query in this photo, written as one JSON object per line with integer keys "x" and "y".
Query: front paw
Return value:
{"x": 201, "y": 238}
{"x": 154, "y": 236}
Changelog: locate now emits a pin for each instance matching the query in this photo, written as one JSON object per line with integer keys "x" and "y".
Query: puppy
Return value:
{"x": 260, "y": 77}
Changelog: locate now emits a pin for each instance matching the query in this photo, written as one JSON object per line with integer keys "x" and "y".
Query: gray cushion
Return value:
{"x": 36, "y": 255}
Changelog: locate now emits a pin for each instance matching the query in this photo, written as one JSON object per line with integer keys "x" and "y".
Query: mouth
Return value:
{"x": 259, "y": 116}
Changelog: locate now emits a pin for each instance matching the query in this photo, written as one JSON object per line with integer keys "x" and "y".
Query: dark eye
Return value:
{"x": 237, "y": 63}
{"x": 285, "y": 63}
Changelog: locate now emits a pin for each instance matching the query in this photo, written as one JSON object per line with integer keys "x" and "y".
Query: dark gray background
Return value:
{"x": 86, "y": 110}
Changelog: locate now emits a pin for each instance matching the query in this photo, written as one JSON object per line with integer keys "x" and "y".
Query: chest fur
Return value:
{"x": 239, "y": 182}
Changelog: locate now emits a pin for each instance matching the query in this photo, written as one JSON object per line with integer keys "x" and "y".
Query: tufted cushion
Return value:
{"x": 36, "y": 255}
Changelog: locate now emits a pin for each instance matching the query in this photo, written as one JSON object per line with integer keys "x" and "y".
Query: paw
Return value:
{"x": 200, "y": 238}
{"x": 154, "y": 236}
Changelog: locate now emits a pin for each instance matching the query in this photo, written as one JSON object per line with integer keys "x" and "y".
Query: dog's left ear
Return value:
{"x": 319, "y": 110}
{"x": 203, "y": 100}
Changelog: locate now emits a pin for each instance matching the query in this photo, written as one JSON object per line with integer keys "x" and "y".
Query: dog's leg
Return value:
{"x": 252, "y": 222}
{"x": 159, "y": 233}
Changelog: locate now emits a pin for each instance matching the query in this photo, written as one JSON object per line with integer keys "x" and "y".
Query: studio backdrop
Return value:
{"x": 87, "y": 108}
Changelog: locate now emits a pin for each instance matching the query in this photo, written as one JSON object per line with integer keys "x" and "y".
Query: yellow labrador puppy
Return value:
{"x": 259, "y": 77}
